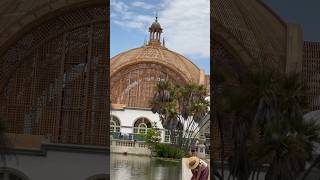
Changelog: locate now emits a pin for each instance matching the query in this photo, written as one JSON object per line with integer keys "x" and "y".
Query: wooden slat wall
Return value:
{"x": 311, "y": 73}
{"x": 55, "y": 83}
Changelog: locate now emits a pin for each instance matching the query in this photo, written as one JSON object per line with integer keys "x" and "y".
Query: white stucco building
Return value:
{"x": 130, "y": 122}
{"x": 134, "y": 75}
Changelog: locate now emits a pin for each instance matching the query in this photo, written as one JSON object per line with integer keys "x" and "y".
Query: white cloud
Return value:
{"x": 123, "y": 15}
{"x": 131, "y": 24}
{"x": 141, "y": 4}
{"x": 186, "y": 25}
{"x": 119, "y": 6}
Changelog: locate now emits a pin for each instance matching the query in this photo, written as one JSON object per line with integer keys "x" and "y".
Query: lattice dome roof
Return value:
{"x": 253, "y": 26}
{"x": 157, "y": 54}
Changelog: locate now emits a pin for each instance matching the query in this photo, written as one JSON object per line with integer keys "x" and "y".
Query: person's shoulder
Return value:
{"x": 194, "y": 172}
{"x": 203, "y": 163}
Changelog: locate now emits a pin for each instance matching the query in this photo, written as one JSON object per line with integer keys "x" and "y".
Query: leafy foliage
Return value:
{"x": 169, "y": 151}
{"x": 180, "y": 108}
{"x": 152, "y": 137}
{"x": 266, "y": 108}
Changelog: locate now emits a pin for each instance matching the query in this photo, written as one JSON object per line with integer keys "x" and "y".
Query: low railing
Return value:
{"x": 128, "y": 143}
{"x": 120, "y": 136}
{"x": 129, "y": 147}
{"x": 125, "y": 143}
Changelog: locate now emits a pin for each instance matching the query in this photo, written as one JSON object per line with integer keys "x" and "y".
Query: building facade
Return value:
{"x": 247, "y": 34}
{"x": 54, "y": 70}
{"x": 311, "y": 73}
{"x": 133, "y": 76}
{"x": 53, "y": 88}
{"x": 130, "y": 123}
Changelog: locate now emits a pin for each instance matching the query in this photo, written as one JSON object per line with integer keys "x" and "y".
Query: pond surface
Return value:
{"x": 130, "y": 167}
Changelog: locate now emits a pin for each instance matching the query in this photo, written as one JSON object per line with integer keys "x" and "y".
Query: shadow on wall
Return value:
{"x": 99, "y": 177}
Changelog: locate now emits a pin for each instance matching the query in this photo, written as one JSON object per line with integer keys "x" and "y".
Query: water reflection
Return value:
{"x": 125, "y": 167}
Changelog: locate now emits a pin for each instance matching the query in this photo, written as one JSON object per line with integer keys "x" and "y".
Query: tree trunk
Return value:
{"x": 314, "y": 164}
{"x": 221, "y": 143}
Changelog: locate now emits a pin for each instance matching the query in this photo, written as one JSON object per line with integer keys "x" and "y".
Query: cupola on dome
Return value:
{"x": 155, "y": 25}
{"x": 135, "y": 73}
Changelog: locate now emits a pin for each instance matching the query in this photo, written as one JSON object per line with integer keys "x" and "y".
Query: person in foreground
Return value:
{"x": 199, "y": 168}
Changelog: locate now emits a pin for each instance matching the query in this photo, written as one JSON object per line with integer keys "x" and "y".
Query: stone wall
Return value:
{"x": 56, "y": 164}
{"x": 129, "y": 147}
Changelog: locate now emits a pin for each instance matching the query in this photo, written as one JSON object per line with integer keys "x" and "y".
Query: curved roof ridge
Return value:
{"x": 178, "y": 54}
{"x": 121, "y": 53}
{"x": 272, "y": 12}
{"x": 157, "y": 54}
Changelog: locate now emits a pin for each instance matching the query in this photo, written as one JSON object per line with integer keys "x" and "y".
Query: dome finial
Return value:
{"x": 156, "y": 16}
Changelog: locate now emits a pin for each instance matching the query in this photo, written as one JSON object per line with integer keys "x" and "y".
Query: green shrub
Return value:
{"x": 152, "y": 137}
{"x": 169, "y": 151}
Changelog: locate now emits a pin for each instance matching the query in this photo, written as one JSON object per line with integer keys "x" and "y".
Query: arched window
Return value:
{"x": 142, "y": 129}
{"x": 141, "y": 126}
{"x": 114, "y": 124}
{"x": 167, "y": 136}
{"x": 12, "y": 174}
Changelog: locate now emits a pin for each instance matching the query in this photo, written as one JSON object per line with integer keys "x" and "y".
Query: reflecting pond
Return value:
{"x": 130, "y": 167}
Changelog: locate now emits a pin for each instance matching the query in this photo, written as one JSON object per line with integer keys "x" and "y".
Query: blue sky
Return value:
{"x": 305, "y": 13}
{"x": 185, "y": 23}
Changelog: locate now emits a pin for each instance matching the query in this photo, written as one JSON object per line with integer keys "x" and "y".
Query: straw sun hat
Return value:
{"x": 193, "y": 162}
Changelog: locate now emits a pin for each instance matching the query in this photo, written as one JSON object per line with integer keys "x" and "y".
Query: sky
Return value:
{"x": 185, "y": 24}
{"x": 304, "y": 12}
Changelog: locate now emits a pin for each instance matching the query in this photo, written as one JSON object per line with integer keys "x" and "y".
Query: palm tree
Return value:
{"x": 290, "y": 136}
{"x": 266, "y": 109}
{"x": 285, "y": 152}
{"x": 180, "y": 108}
{"x": 239, "y": 102}
{"x": 219, "y": 109}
